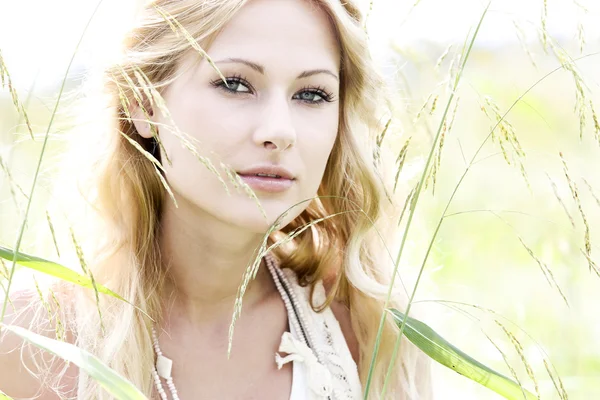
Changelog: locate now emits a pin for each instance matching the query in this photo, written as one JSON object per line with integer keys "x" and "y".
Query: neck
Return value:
{"x": 206, "y": 259}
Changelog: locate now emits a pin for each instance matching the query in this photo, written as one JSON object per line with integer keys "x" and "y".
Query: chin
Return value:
{"x": 251, "y": 218}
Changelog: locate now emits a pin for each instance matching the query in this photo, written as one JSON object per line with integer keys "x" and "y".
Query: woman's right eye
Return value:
{"x": 234, "y": 85}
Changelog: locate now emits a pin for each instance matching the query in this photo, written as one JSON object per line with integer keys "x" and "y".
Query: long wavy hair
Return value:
{"x": 127, "y": 193}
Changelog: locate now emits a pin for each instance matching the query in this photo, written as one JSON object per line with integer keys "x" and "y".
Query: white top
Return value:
{"x": 330, "y": 343}
{"x": 323, "y": 367}
{"x": 299, "y": 383}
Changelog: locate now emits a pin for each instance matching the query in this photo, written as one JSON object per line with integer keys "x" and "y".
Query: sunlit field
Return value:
{"x": 503, "y": 250}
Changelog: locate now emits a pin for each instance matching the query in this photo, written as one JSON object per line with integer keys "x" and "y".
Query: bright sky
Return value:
{"x": 38, "y": 37}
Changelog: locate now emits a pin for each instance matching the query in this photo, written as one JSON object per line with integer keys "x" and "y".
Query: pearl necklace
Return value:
{"x": 163, "y": 366}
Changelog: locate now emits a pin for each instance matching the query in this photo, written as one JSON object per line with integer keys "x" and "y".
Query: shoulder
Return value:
{"x": 23, "y": 367}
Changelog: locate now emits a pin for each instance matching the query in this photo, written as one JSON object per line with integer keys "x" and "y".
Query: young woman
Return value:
{"x": 284, "y": 102}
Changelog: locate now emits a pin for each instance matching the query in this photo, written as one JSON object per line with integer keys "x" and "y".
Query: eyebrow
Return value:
{"x": 261, "y": 69}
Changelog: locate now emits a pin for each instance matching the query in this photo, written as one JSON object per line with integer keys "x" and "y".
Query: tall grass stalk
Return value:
{"x": 411, "y": 214}
{"x": 17, "y": 245}
{"x": 444, "y": 215}
{"x": 460, "y": 308}
{"x": 587, "y": 252}
{"x": 429, "y": 172}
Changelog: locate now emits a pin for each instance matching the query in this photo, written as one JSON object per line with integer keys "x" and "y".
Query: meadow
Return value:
{"x": 496, "y": 133}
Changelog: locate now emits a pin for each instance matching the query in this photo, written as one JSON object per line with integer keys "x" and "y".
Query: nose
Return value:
{"x": 275, "y": 129}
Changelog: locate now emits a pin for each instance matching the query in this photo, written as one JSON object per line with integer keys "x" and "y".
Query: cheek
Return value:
{"x": 317, "y": 147}
{"x": 324, "y": 130}
{"x": 208, "y": 124}
{"x": 317, "y": 162}
{"x": 188, "y": 146}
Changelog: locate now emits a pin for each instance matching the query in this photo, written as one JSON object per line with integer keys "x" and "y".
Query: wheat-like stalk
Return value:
{"x": 586, "y": 236}
{"x": 88, "y": 272}
{"x": 5, "y": 80}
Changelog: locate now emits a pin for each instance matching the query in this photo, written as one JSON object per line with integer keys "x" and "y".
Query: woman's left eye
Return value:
{"x": 313, "y": 96}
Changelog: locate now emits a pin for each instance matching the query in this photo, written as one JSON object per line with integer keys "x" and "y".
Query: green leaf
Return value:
{"x": 440, "y": 350}
{"x": 3, "y": 396}
{"x": 54, "y": 269}
{"x": 111, "y": 381}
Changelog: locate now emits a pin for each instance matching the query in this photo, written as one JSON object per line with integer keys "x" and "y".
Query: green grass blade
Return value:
{"x": 413, "y": 207}
{"x": 54, "y": 269}
{"x": 3, "y": 396}
{"x": 112, "y": 382}
{"x": 440, "y": 350}
{"x": 39, "y": 164}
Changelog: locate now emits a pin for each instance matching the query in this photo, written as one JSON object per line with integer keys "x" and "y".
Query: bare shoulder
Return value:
{"x": 20, "y": 363}
{"x": 342, "y": 314}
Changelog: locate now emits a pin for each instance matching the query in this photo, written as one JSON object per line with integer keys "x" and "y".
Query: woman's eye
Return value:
{"x": 235, "y": 85}
{"x": 310, "y": 97}
{"x": 313, "y": 96}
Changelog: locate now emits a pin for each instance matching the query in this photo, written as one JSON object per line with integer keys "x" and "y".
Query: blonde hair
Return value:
{"x": 128, "y": 193}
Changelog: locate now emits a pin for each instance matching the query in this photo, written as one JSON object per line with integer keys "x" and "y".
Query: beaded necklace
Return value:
{"x": 163, "y": 366}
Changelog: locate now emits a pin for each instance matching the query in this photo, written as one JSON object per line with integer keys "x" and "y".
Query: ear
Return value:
{"x": 142, "y": 123}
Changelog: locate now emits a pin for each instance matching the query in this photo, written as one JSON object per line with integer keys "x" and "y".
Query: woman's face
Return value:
{"x": 282, "y": 62}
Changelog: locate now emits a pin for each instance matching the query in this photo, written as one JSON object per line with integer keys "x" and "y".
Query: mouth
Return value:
{"x": 273, "y": 171}
{"x": 270, "y": 183}
{"x": 264, "y": 175}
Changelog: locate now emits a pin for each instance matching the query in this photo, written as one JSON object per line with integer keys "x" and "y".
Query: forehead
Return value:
{"x": 278, "y": 33}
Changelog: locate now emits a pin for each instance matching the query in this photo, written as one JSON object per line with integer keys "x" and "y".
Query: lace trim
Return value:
{"x": 330, "y": 342}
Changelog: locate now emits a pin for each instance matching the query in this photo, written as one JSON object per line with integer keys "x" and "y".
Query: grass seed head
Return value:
{"x": 519, "y": 348}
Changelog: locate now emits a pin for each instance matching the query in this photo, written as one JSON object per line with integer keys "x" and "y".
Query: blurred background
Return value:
{"x": 512, "y": 275}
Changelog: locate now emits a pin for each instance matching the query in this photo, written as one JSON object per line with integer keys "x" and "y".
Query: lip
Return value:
{"x": 265, "y": 183}
{"x": 268, "y": 169}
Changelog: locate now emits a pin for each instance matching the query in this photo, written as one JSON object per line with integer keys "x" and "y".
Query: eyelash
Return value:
{"x": 318, "y": 90}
